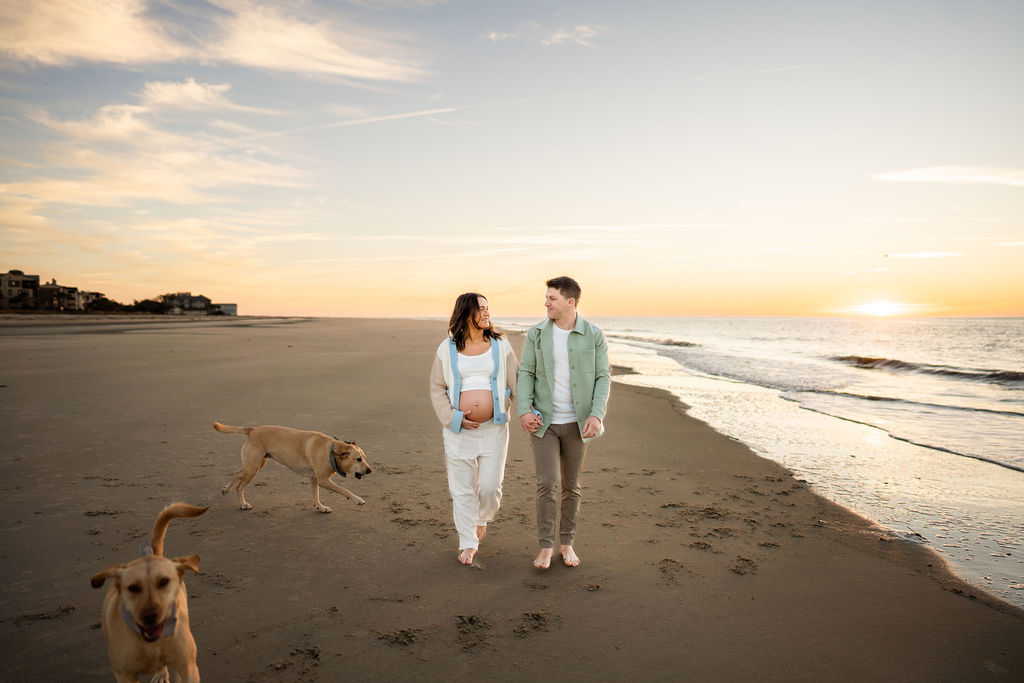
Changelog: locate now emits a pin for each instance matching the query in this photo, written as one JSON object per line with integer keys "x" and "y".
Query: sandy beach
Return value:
{"x": 701, "y": 560}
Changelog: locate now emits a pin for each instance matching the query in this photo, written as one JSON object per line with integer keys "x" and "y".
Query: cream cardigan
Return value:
{"x": 444, "y": 382}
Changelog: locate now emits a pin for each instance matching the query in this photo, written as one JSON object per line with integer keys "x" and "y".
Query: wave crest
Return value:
{"x": 1003, "y": 377}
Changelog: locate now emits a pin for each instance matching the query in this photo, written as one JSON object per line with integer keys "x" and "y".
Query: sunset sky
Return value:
{"x": 378, "y": 157}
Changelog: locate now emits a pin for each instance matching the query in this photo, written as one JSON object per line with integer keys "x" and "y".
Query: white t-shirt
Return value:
{"x": 564, "y": 412}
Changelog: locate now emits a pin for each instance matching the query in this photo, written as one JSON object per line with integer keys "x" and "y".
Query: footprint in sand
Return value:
{"x": 533, "y": 622}
{"x": 473, "y": 631}
{"x": 670, "y": 569}
{"x": 744, "y": 565}
{"x": 403, "y": 636}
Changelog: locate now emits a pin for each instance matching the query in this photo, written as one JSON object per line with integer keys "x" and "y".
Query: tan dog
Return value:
{"x": 145, "y": 612}
{"x": 310, "y": 454}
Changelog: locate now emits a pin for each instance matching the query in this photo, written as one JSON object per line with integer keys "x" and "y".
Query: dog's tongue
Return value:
{"x": 152, "y": 633}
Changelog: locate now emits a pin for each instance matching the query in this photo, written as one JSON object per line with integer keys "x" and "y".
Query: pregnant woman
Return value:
{"x": 472, "y": 386}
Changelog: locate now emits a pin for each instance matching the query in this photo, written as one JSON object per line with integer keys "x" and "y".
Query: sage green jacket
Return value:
{"x": 588, "y": 371}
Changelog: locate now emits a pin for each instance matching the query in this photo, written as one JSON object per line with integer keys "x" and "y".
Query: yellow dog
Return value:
{"x": 145, "y": 612}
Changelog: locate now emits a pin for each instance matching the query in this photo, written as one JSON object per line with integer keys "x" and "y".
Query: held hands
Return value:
{"x": 467, "y": 423}
{"x": 531, "y": 422}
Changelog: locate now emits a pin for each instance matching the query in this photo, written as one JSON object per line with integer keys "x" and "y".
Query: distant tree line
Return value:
{"x": 105, "y": 305}
{"x": 159, "y": 306}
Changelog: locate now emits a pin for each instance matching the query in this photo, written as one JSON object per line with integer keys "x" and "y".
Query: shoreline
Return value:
{"x": 746, "y": 572}
{"x": 984, "y": 553}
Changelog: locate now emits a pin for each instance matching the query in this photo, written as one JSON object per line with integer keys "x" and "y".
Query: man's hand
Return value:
{"x": 531, "y": 422}
{"x": 591, "y": 427}
{"x": 467, "y": 423}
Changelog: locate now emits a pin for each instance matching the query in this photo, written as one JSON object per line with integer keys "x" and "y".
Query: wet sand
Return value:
{"x": 701, "y": 561}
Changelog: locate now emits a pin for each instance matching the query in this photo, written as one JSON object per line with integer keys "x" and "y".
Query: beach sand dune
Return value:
{"x": 701, "y": 561}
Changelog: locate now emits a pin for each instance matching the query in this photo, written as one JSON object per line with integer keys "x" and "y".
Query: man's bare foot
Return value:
{"x": 481, "y": 531}
{"x": 467, "y": 555}
{"x": 543, "y": 560}
{"x": 569, "y": 556}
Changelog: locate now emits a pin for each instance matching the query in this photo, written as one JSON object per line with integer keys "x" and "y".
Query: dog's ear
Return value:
{"x": 113, "y": 571}
{"x": 183, "y": 563}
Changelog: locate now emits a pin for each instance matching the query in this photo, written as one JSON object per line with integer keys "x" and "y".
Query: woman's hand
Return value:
{"x": 467, "y": 423}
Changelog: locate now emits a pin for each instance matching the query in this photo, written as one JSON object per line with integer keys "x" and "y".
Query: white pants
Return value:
{"x": 476, "y": 467}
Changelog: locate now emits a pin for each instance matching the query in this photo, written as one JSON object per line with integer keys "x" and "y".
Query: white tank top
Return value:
{"x": 475, "y": 371}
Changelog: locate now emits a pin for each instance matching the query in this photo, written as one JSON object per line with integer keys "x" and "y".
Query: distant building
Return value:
{"x": 54, "y": 297}
{"x": 86, "y": 298}
{"x": 183, "y": 303}
{"x": 18, "y": 291}
{"x": 225, "y": 309}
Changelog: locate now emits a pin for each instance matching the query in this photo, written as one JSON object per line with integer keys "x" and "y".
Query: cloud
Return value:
{"x": 280, "y": 36}
{"x": 926, "y": 254}
{"x": 390, "y": 4}
{"x": 576, "y": 35}
{"x": 346, "y": 123}
{"x": 115, "y": 122}
{"x": 955, "y": 174}
{"x": 29, "y": 235}
{"x": 532, "y": 31}
{"x": 58, "y": 32}
{"x": 122, "y": 154}
{"x": 189, "y": 95}
{"x": 156, "y": 166}
{"x": 179, "y": 177}
{"x": 497, "y": 36}
{"x": 264, "y": 36}
{"x": 417, "y": 257}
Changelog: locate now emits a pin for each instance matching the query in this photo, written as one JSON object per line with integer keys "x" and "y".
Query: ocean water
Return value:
{"x": 914, "y": 423}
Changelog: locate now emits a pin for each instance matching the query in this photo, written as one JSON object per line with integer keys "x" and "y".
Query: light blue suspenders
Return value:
{"x": 500, "y": 417}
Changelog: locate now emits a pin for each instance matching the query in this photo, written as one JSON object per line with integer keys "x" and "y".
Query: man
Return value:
{"x": 563, "y": 388}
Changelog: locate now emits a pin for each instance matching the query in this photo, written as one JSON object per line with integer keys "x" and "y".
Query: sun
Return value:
{"x": 879, "y": 309}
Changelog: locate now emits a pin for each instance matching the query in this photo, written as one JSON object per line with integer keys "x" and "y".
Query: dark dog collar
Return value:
{"x": 334, "y": 463}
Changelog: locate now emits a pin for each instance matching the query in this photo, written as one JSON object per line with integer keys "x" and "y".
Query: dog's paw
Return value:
{"x": 245, "y": 506}
{"x": 359, "y": 501}
{"x": 324, "y": 508}
{"x": 161, "y": 676}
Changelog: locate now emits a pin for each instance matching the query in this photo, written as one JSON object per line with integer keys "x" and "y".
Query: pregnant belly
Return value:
{"x": 477, "y": 402}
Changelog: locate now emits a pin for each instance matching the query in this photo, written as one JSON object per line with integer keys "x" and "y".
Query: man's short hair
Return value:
{"x": 566, "y": 286}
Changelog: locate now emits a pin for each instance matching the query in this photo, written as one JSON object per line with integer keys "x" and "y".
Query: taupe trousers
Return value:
{"x": 558, "y": 459}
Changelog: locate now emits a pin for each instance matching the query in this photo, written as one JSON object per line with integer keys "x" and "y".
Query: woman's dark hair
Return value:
{"x": 466, "y": 307}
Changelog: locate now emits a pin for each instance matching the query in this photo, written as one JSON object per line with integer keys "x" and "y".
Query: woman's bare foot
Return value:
{"x": 543, "y": 560}
{"x": 467, "y": 555}
{"x": 569, "y": 556}
{"x": 481, "y": 531}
